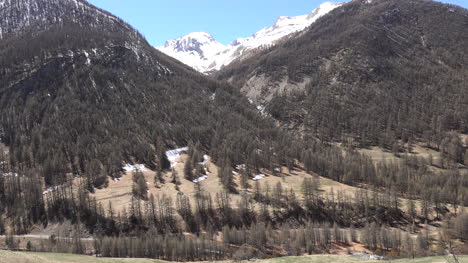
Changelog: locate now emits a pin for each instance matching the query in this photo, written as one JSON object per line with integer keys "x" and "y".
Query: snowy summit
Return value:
{"x": 203, "y": 53}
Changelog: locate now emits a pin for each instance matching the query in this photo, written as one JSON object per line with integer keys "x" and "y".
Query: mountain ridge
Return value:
{"x": 221, "y": 55}
{"x": 355, "y": 71}
{"x": 88, "y": 94}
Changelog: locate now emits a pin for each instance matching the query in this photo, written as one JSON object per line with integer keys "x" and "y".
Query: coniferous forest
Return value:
{"x": 377, "y": 73}
{"x": 83, "y": 94}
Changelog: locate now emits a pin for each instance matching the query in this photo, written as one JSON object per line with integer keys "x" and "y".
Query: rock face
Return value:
{"x": 202, "y": 52}
{"x": 79, "y": 88}
{"x": 367, "y": 68}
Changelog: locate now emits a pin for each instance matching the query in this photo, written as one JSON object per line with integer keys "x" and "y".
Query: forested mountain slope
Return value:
{"x": 377, "y": 71}
{"x": 83, "y": 95}
{"x": 82, "y": 92}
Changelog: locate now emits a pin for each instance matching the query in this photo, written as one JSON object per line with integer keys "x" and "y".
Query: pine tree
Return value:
{"x": 164, "y": 163}
{"x": 411, "y": 209}
{"x": 466, "y": 157}
{"x": 159, "y": 177}
{"x": 227, "y": 179}
{"x": 139, "y": 187}
{"x": 244, "y": 179}
{"x": 257, "y": 192}
{"x": 188, "y": 171}
{"x": 278, "y": 195}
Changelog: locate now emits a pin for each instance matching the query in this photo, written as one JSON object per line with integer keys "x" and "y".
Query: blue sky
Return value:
{"x": 226, "y": 20}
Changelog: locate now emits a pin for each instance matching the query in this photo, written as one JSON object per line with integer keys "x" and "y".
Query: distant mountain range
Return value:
{"x": 203, "y": 53}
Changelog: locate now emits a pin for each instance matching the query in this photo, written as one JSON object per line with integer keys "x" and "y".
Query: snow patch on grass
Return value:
{"x": 258, "y": 177}
{"x": 198, "y": 180}
{"x": 53, "y": 189}
{"x": 135, "y": 168}
{"x": 205, "y": 160}
{"x": 174, "y": 155}
{"x": 240, "y": 166}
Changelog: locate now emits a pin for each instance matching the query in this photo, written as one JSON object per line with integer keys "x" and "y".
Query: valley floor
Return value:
{"x": 28, "y": 257}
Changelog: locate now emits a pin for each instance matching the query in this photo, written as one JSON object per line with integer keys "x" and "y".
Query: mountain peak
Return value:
{"x": 193, "y": 49}
{"x": 190, "y": 41}
{"x": 199, "y": 35}
{"x": 202, "y": 52}
{"x": 322, "y": 10}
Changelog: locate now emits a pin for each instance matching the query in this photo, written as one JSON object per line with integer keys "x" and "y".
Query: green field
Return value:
{"x": 27, "y": 257}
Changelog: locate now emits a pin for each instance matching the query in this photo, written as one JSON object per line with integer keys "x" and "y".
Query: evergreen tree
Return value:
{"x": 139, "y": 187}
{"x": 188, "y": 171}
{"x": 244, "y": 179}
{"x": 164, "y": 163}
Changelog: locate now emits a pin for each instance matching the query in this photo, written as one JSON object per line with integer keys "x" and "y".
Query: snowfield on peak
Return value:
{"x": 203, "y": 53}
{"x": 195, "y": 49}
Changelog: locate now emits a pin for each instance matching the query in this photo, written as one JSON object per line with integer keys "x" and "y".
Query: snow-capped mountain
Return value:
{"x": 202, "y": 52}
{"x": 196, "y": 49}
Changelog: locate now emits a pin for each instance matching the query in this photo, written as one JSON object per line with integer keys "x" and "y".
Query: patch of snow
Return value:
{"x": 258, "y": 177}
{"x": 174, "y": 155}
{"x": 93, "y": 83}
{"x": 9, "y": 174}
{"x": 53, "y": 189}
{"x": 134, "y": 49}
{"x": 198, "y": 180}
{"x": 240, "y": 166}
{"x": 117, "y": 179}
{"x": 261, "y": 109}
{"x": 88, "y": 61}
{"x": 134, "y": 168}
{"x": 205, "y": 159}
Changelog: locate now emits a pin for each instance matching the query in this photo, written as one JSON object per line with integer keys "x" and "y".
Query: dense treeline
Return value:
{"x": 277, "y": 223}
{"x": 410, "y": 177}
{"x": 268, "y": 219}
{"x": 258, "y": 241}
{"x": 375, "y": 72}
{"x": 22, "y": 197}
{"x": 23, "y": 200}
